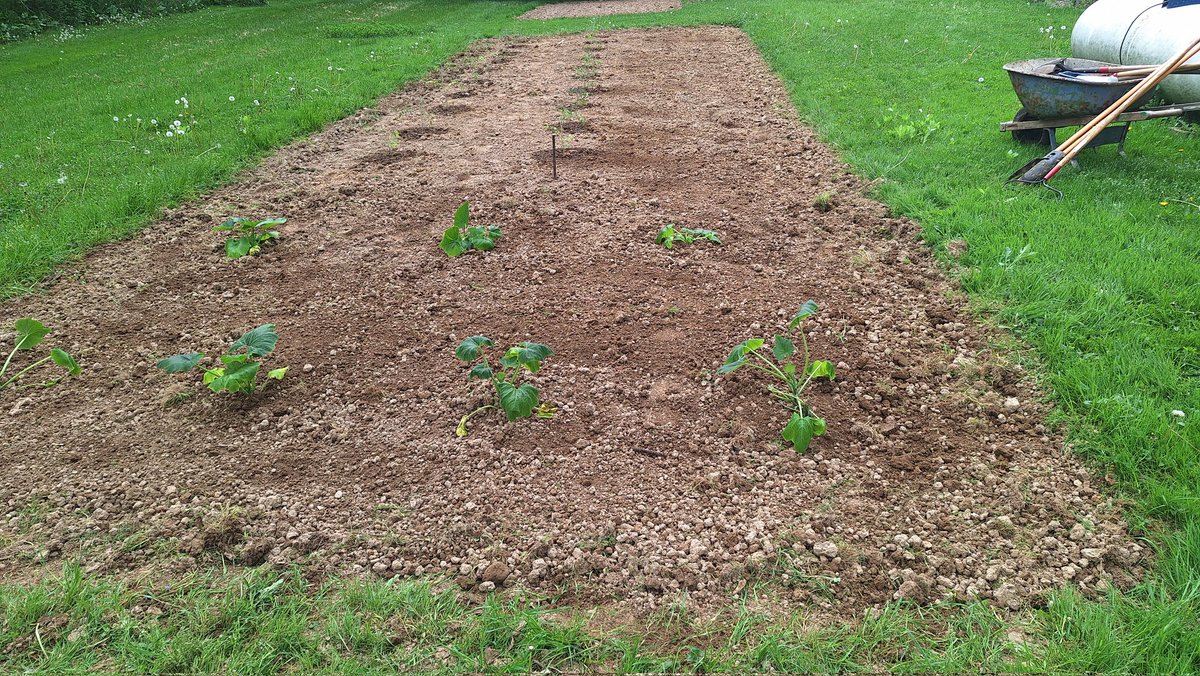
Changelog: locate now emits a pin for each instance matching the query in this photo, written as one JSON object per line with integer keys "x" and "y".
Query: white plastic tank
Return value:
{"x": 1141, "y": 32}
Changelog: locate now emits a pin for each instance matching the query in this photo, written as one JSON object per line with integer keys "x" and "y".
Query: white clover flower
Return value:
{"x": 62, "y": 178}
{"x": 1063, "y": 28}
{"x": 256, "y": 102}
{"x": 154, "y": 122}
{"x": 330, "y": 68}
{"x": 231, "y": 99}
{"x": 116, "y": 119}
{"x": 981, "y": 79}
{"x": 291, "y": 89}
{"x": 24, "y": 184}
{"x": 170, "y": 134}
{"x": 176, "y": 101}
{"x": 1178, "y": 414}
{"x": 139, "y": 120}
{"x": 906, "y": 41}
{"x": 181, "y": 131}
{"x": 146, "y": 151}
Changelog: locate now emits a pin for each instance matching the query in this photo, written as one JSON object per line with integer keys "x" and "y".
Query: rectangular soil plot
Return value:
{"x": 655, "y": 475}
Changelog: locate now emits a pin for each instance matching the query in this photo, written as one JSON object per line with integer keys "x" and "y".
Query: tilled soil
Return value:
{"x": 937, "y": 477}
{"x": 579, "y": 8}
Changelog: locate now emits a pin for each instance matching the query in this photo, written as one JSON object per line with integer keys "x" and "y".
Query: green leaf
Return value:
{"x": 820, "y": 369}
{"x": 452, "y": 243}
{"x": 783, "y": 348}
{"x": 480, "y": 371}
{"x": 529, "y": 355}
{"x": 231, "y": 359}
{"x": 30, "y": 333}
{"x": 270, "y": 222}
{"x": 706, "y": 234}
{"x": 470, "y": 349}
{"x": 277, "y": 374}
{"x": 235, "y": 378}
{"x": 462, "y": 215}
{"x": 666, "y": 237}
{"x": 66, "y": 361}
{"x": 481, "y": 238}
{"x": 235, "y": 223}
{"x": 800, "y": 431}
{"x": 180, "y": 362}
{"x": 517, "y": 402}
{"x": 807, "y": 310}
{"x": 259, "y": 341}
{"x": 737, "y": 358}
{"x": 236, "y": 247}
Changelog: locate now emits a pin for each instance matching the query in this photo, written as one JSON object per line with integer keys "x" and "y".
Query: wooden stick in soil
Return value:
{"x": 554, "y": 155}
{"x": 1080, "y": 141}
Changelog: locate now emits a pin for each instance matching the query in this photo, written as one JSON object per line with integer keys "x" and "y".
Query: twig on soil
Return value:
{"x": 649, "y": 451}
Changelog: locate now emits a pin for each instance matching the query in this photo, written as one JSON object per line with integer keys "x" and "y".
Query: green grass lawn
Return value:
{"x": 1103, "y": 287}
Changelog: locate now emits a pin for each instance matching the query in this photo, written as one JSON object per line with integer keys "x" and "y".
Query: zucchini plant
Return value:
{"x": 238, "y": 370}
{"x": 30, "y": 333}
{"x": 248, "y": 236}
{"x": 461, "y": 237}
{"x": 515, "y": 396}
{"x": 778, "y": 361}
{"x": 669, "y": 235}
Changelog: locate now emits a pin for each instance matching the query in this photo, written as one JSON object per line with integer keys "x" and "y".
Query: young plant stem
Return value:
{"x": 462, "y": 424}
{"x": 4, "y": 369}
{"x": 23, "y": 372}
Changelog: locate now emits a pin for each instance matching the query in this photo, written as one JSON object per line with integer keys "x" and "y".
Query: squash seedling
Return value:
{"x": 30, "y": 333}
{"x": 248, "y": 236}
{"x": 462, "y": 236}
{"x": 516, "y": 398}
{"x": 669, "y": 235}
{"x": 238, "y": 371}
{"x": 778, "y": 363}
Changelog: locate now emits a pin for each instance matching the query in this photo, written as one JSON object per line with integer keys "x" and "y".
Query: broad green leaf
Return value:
{"x": 212, "y": 374}
{"x": 30, "y": 333}
{"x": 737, "y": 358}
{"x": 820, "y": 369}
{"x": 480, "y": 371}
{"x": 277, "y": 374}
{"x": 527, "y": 354}
{"x": 259, "y": 341}
{"x": 180, "y": 362}
{"x": 270, "y": 222}
{"x": 707, "y": 234}
{"x": 231, "y": 359}
{"x": 66, "y": 361}
{"x": 452, "y": 243}
{"x": 789, "y": 369}
{"x": 783, "y": 348}
{"x": 236, "y": 247}
{"x": 236, "y": 378}
{"x": 807, "y": 310}
{"x": 517, "y": 402}
{"x": 800, "y": 431}
{"x": 462, "y": 215}
{"x": 230, "y": 225}
{"x": 470, "y": 349}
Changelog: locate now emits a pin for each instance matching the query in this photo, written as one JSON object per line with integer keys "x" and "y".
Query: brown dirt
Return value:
{"x": 937, "y": 478}
{"x": 562, "y": 10}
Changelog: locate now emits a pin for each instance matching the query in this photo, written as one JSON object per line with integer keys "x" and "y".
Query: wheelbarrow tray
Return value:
{"x": 1046, "y": 96}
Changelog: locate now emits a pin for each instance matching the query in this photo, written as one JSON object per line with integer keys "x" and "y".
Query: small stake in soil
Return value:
{"x": 462, "y": 237}
{"x": 554, "y": 156}
{"x": 516, "y": 398}
{"x": 30, "y": 333}
{"x": 247, "y": 236}
{"x": 238, "y": 370}
{"x": 669, "y": 235}
{"x": 804, "y": 424}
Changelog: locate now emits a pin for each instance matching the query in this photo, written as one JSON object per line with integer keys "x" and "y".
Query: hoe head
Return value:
{"x": 1036, "y": 170}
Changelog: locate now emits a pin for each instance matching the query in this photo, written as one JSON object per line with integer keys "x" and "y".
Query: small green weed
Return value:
{"x": 30, "y": 334}
{"x": 804, "y": 424}
{"x": 248, "y": 236}
{"x": 516, "y": 398}
{"x": 238, "y": 371}
{"x": 462, "y": 237}
{"x": 669, "y": 235}
{"x": 905, "y": 127}
{"x": 825, "y": 202}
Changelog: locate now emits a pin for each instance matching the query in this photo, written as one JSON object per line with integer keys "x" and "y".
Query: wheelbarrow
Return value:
{"x": 1055, "y": 94}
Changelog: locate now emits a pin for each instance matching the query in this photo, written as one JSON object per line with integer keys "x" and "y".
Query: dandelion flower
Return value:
{"x": 1164, "y": 203}
{"x": 231, "y": 99}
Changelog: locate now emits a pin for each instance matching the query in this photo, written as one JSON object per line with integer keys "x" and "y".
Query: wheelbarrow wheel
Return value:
{"x": 1031, "y": 137}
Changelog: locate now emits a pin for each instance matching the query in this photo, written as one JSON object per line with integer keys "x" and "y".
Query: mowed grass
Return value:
{"x": 1102, "y": 289}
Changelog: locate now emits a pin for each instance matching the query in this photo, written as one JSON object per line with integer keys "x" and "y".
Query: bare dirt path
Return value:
{"x": 937, "y": 477}
{"x": 580, "y": 8}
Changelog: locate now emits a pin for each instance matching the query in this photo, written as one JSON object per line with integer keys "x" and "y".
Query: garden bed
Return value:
{"x": 562, "y": 10}
{"x": 937, "y": 478}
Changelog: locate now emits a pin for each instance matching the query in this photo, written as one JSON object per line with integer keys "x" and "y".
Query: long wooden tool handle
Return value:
{"x": 1132, "y": 95}
{"x": 1078, "y": 142}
